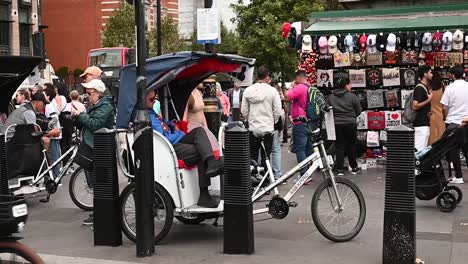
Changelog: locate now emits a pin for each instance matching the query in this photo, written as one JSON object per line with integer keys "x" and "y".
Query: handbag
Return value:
{"x": 84, "y": 156}
{"x": 279, "y": 124}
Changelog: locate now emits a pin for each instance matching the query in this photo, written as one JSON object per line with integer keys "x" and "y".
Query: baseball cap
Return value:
{"x": 371, "y": 43}
{"x": 466, "y": 41}
{"x": 93, "y": 70}
{"x": 332, "y": 44}
{"x": 447, "y": 40}
{"x": 407, "y": 41}
{"x": 400, "y": 38}
{"x": 437, "y": 41}
{"x": 381, "y": 41}
{"x": 96, "y": 84}
{"x": 39, "y": 97}
{"x": 306, "y": 43}
{"x": 315, "y": 43}
{"x": 427, "y": 42}
{"x": 363, "y": 42}
{"x": 349, "y": 44}
{"x": 417, "y": 41}
{"x": 323, "y": 45}
{"x": 458, "y": 40}
{"x": 391, "y": 42}
{"x": 341, "y": 44}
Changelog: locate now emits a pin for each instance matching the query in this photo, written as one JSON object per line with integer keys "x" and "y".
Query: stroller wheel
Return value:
{"x": 446, "y": 202}
{"x": 456, "y": 192}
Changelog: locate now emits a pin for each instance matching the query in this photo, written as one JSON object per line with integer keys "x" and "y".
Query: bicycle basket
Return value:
{"x": 13, "y": 211}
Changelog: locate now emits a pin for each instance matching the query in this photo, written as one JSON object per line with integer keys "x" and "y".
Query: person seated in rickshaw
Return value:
{"x": 193, "y": 148}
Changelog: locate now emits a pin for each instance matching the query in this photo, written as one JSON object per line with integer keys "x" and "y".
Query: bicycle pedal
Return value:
{"x": 292, "y": 204}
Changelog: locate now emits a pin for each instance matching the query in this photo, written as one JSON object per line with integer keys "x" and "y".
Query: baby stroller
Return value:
{"x": 430, "y": 179}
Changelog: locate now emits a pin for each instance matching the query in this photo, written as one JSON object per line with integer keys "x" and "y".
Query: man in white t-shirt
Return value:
{"x": 235, "y": 99}
{"x": 455, "y": 109}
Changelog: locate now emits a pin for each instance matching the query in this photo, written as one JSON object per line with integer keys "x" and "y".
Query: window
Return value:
{"x": 4, "y": 29}
{"x": 25, "y": 31}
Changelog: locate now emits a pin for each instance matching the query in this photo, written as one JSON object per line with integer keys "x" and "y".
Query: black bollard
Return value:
{"x": 399, "y": 238}
{"x": 107, "y": 229}
{"x": 3, "y": 167}
{"x": 238, "y": 212}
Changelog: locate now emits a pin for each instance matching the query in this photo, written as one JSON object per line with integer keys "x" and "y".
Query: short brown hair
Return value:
{"x": 25, "y": 93}
{"x": 74, "y": 95}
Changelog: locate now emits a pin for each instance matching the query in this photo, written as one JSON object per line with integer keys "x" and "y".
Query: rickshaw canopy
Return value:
{"x": 181, "y": 72}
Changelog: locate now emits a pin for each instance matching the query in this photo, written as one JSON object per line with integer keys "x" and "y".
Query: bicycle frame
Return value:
{"x": 49, "y": 169}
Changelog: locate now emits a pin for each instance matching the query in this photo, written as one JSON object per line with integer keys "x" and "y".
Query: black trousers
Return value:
{"x": 194, "y": 149}
{"x": 345, "y": 144}
{"x": 255, "y": 147}
{"x": 454, "y": 154}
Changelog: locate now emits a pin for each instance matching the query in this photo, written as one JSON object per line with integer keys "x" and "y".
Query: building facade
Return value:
{"x": 19, "y": 19}
{"x": 75, "y": 27}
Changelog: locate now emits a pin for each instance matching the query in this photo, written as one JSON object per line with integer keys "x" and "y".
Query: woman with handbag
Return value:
{"x": 100, "y": 114}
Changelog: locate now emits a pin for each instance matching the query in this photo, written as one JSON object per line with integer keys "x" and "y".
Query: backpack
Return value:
{"x": 315, "y": 104}
{"x": 409, "y": 113}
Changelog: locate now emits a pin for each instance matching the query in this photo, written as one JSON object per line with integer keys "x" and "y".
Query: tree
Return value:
{"x": 170, "y": 39}
{"x": 259, "y": 26}
{"x": 62, "y": 73}
{"x": 120, "y": 28}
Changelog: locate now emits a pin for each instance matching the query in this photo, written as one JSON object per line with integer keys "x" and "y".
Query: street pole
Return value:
{"x": 209, "y": 47}
{"x": 143, "y": 147}
{"x": 158, "y": 25}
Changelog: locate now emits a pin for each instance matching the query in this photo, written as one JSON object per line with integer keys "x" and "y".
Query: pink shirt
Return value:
{"x": 298, "y": 96}
{"x": 225, "y": 103}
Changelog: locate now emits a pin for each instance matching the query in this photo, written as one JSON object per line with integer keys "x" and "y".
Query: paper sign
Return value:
{"x": 208, "y": 26}
{"x": 330, "y": 125}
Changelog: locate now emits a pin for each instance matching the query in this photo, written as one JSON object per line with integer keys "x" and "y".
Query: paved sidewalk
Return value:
{"x": 54, "y": 230}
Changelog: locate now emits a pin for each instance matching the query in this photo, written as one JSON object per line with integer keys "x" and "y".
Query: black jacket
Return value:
{"x": 230, "y": 95}
{"x": 346, "y": 106}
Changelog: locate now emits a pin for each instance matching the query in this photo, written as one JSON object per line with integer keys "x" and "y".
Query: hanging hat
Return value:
{"x": 400, "y": 37}
{"x": 332, "y": 44}
{"x": 285, "y": 29}
{"x": 466, "y": 42}
{"x": 363, "y": 42}
{"x": 417, "y": 41}
{"x": 427, "y": 42}
{"x": 391, "y": 42}
{"x": 323, "y": 45}
{"x": 315, "y": 46}
{"x": 437, "y": 41}
{"x": 349, "y": 43}
{"x": 381, "y": 41}
{"x": 306, "y": 43}
{"x": 407, "y": 41}
{"x": 371, "y": 43}
{"x": 457, "y": 40}
{"x": 447, "y": 40}
{"x": 341, "y": 44}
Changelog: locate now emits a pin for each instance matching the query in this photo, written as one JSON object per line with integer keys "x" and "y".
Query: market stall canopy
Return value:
{"x": 181, "y": 71}
{"x": 13, "y": 71}
{"x": 409, "y": 18}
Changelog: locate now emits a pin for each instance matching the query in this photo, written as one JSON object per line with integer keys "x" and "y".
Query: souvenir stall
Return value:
{"x": 380, "y": 51}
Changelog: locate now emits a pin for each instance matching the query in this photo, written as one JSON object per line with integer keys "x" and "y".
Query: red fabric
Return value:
{"x": 182, "y": 126}
{"x": 182, "y": 164}
{"x": 207, "y": 66}
{"x": 376, "y": 120}
{"x": 285, "y": 30}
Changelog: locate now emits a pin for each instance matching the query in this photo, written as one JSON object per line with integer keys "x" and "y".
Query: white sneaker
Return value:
{"x": 457, "y": 180}
{"x": 26, "y": 190}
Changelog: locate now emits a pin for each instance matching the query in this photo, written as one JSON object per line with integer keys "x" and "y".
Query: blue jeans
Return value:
{"x": 54, "y": 150}
{"x": 276, "y": 155}
{"x": 301, "y": 143}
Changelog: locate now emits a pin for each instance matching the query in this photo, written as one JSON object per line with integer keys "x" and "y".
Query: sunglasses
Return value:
{"x": 89, "y": 93}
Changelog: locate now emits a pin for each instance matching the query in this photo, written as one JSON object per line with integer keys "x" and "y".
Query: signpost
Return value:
{"x": 208, "y": 27}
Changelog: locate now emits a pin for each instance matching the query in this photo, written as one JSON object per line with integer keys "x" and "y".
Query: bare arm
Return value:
{"x": 445, "y": 111}
{"x": 418, "y": 105}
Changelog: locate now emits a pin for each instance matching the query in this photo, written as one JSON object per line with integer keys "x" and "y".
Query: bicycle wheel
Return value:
{"x": 80, "y": 191}
{"x": 338, "y": 225}
{"x": 163, "y": 212}
{"x": 15, "y": 252}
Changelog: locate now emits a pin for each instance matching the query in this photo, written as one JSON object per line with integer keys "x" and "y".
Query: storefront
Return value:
{"x": 380, "y": 51}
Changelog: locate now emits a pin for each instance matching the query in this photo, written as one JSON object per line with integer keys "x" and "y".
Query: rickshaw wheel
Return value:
{"x": 194, "y": 220}
{"x": 162, "y": 206}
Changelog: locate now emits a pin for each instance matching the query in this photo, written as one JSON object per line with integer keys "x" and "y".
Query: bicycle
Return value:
{"x": 338, "y": 207}
{"x": 13, "y": 215}
{"x": 81, "y": 192}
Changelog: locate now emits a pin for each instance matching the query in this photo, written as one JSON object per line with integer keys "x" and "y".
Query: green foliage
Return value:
{"x": 77, "y": 72}
{"x": 62, "y": 72}
{"x": 120, "y": 28}
{"x": 259, "y": 28}
{"x": 170, "y": 40}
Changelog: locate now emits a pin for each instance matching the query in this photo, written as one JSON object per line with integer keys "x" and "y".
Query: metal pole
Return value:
{"x": 144, "y": 190}
{"x": 158, "y": 25}
{"x": 209, "y": 47}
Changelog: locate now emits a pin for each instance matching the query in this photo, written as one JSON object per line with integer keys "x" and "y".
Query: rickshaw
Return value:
{"x": 174, "y": 76}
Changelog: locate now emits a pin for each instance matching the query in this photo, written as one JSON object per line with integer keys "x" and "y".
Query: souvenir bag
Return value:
{"x": 383, "y": 137}
{"x": 404, "y": 95}
{"x": 373, "y": 139}
{"x": 409, "y": 57}
{"x": 391, "y": 57}
{"x": 408, "y": 76}
{"x": 392, "y": 119}
{"x": 391, "y": 98}
{"x": 358, "y": 78}
{"x": 325, "y": 61}
{"x": 362, "y": 96}
{"x": 358, "y": 59}
{"x": 391, "y": 77}
{"x": 376, "y": 120}
{"x": 375, "y": 99}
{"x": 361, "y": 121}
{"x": 373, "y": 78}
{"x": 339, "y": 74}
{"x": 455, "y": 58}
{"x": 341, "y": 59}
{"x": 374, "y": 59}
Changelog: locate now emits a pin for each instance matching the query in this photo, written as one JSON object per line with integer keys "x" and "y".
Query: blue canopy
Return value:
{"x": 181, "y": 72}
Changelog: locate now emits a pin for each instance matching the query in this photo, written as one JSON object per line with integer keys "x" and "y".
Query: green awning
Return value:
{"x": 446, "y": 17}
